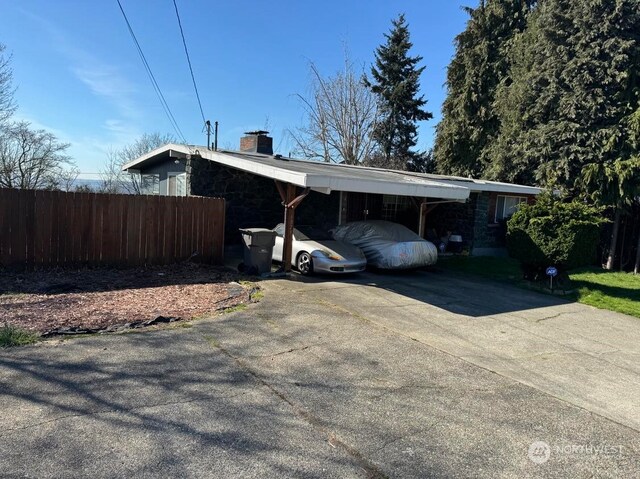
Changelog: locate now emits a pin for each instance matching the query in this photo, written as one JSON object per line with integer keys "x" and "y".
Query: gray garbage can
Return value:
{"x": 258, "y": 249}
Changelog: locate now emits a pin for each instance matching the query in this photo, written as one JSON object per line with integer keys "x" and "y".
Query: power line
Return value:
{"x": 186, "y": 51}
{"x": 163, "y": 102}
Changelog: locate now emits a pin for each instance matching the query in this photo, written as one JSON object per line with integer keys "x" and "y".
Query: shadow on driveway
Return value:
{"x": 154, "y": 405}
{"x": 475, "y": 297}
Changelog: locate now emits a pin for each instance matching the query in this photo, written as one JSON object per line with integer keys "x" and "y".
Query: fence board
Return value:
{"x": 77, "y": 228}
{"x": 87, "y": 224}
{"x": 68, "y": 231}
{"x": 18, "y": 241}
{"x": 51, "y": 228}
{"x": 170, "y": 230}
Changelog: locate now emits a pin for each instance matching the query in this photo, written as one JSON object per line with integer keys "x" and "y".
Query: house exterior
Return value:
{"x": 249, "y": 180}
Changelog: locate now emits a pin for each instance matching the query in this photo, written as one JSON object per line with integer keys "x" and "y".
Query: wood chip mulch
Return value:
{"x": 45, "y": 301}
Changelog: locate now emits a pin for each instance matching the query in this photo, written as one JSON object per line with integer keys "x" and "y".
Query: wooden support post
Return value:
{"x": 290, "y": 202}
{"x": 423, "y": 219}
{"x": 425, "y": 209}
{"x": 289, "y": 214}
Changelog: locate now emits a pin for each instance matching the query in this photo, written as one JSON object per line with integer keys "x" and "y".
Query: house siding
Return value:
{"x": 163, "y": 169}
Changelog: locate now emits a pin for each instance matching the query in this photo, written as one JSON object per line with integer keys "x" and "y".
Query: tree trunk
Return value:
{"x": 622, "y": 245}
{"x": 614, "y": 241}
{"x": 636, "y": 269}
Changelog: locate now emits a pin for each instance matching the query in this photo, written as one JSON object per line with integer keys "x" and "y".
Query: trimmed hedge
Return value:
{"x": 552, "y": 232}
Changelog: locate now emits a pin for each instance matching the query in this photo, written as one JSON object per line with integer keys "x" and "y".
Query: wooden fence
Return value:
{"x": 53, "y": 228}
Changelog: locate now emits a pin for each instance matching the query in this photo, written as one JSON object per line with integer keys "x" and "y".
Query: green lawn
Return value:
{"x": 610, "y": 290}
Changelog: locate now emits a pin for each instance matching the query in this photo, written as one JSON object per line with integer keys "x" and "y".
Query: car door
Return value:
{"x": 277, "y": 247}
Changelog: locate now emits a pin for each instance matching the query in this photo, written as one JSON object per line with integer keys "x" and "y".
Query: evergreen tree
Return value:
{"x": 470, "y": 122}
{"x": 574, "y": 83}
{"x": 396, "y": 84}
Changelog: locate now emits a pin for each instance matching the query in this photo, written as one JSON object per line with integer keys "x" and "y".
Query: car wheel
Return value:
{"x": 305, "y": 263}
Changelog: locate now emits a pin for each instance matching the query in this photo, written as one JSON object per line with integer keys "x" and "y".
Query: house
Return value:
{"x": 256, "y": 184}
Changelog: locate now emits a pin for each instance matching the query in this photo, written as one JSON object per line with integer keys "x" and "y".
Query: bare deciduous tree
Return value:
{"x": 32, "y": 159}
{"x": 341, "y": 113}
{"x": 114, "y": 180}
{"x": 7, "y": 103}
{"x": 68, "y": 177}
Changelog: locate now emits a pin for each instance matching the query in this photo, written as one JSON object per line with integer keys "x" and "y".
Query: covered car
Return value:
{"x": 388, "y": 245}
{"x": 315, "y": 251}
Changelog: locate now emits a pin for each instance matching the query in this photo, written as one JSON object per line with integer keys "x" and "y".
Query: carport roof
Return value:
{"x": 327, "y": 177}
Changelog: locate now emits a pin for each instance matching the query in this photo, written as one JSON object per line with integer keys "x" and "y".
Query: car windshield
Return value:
{"x": 311, "y": 233}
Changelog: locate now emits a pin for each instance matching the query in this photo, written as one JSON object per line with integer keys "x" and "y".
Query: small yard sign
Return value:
{"x": 551, "y": 272}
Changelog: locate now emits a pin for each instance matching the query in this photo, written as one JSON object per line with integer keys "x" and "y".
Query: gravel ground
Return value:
{"x": 42, "y": 301}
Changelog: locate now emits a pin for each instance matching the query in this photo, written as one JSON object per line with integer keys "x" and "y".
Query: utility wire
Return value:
{"x": 184, "y": 42}
{"x": 156, "y": 87}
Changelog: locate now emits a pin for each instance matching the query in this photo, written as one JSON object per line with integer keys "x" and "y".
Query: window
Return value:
{"x": 392, "y": 204}
{"x": 507, "y": 205}
{"x": 177, "y": 184}
{"x": 150, "y": 184}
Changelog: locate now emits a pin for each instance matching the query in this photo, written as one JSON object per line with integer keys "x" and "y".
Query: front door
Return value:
{"x": 356, "y": 207}
{"x": 363, "y": 206}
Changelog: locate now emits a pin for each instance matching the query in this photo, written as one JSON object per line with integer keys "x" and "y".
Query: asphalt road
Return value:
{"x": 416, "y": 375}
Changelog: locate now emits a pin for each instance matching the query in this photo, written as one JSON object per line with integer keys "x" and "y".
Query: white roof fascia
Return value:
{"x": 413, "y": 188}
{"x": 161, "y": 149}
{"x": 406, "y": 186}
{"x": 327, "y": 183}
{"x": 268, "y": 171}
{"x": 479, "y": 186}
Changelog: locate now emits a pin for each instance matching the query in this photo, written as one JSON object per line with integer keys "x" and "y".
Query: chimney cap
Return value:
{"x": 257, "y": 132}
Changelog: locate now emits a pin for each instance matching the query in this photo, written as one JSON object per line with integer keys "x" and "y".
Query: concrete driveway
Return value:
{"x": 416, "y": 375}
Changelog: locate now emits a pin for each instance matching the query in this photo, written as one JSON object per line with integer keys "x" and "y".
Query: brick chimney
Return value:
{"x": 257, "y": 142}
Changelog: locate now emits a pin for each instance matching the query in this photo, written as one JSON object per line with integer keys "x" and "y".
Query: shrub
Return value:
{"x": 554, "y": 232}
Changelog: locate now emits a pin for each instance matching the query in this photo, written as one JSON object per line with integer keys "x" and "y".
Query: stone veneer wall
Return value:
{"x": 486, "y": 233}
{"x": 455, "y": 217}
{"x": 253, "y": 201}
{"x": 470, "y": 219}
{"x": 319, "y": 210}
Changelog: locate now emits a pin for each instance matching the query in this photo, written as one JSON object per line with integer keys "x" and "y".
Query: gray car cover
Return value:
{"x": 388, "y": 245}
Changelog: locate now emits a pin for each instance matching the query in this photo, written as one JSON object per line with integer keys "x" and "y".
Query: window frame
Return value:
{"x": 155, "y": 191}
{"x": 176, "y": 174}
{"x": 391, "y": 204}
{"x": 521, "y": 199}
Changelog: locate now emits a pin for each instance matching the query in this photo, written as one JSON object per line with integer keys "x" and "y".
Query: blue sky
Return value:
{"x": 78, "y": 73}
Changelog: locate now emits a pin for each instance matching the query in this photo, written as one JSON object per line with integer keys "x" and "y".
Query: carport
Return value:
{"x": 294, "y": 179}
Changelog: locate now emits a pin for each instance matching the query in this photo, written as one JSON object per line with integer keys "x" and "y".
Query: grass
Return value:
{"x": 256, "y": 296}
{"x": 14, "y": 336}
{"x": 610, "y": 290}
{"x": 234, "y": 309}
{"x": 614, "y": 291}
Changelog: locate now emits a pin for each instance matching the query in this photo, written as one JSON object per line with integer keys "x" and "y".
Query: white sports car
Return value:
{"x": 314, "y": 251}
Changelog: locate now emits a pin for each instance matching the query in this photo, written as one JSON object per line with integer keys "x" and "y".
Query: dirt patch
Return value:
{"x": 86, "y": 299}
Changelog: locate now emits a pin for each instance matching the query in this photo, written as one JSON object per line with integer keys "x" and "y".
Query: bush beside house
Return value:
{"x": 552, "y": 232}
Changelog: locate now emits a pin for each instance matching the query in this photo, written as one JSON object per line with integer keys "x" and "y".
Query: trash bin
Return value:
{"x": 455, "y": 244}
{"x": 258, "y": 249}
